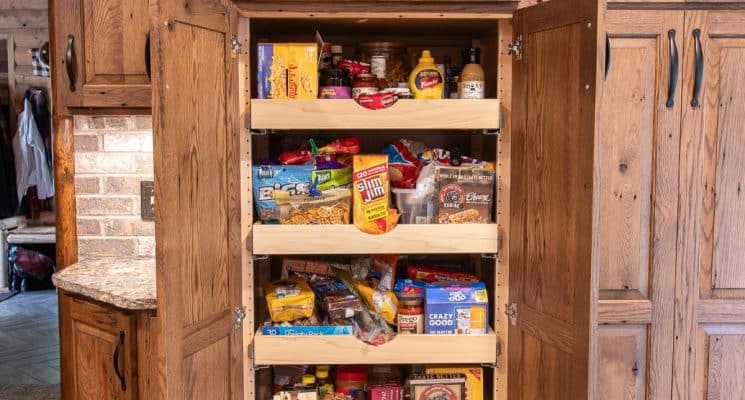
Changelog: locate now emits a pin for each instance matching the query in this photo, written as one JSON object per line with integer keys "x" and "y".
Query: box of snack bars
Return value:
{"x": 464, "y": 195}
{"x": 287, "y": 71}
{"x": 456, "y": 308}
{"x": 437, "y": 386}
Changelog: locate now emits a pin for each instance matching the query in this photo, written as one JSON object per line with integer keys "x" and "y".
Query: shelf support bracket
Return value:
{"x": 260, "y": 132}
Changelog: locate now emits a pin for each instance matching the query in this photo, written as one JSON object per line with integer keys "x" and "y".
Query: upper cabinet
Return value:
{"x": 101, "y": 54}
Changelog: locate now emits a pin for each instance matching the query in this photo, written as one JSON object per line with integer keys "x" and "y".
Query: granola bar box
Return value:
{"x": 465, "y": 195}
{"x": 456, "y": 308}
{"x": 287, "y": 71}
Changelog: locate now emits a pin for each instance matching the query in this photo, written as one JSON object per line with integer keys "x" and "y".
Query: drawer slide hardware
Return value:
{"x": 511, "y": 311}
{"x": 495, "y": 364}
{"x": 490, "y": 132}
{"x": 251, "y": 356}
{"x": 240, "y": 315}
{"x": 260, "y": 132}
{"x": 256, "y": 257}
{"x": 515, "y": 49}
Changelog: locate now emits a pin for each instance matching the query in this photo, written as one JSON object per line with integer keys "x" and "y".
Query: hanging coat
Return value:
{"x": 31, "y": 161}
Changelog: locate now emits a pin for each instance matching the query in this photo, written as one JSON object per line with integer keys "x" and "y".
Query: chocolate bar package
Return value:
{"x": 336, "y": 300}
{"x": 465, "y": 195}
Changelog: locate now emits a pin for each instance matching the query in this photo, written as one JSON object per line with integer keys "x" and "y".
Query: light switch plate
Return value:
{"x": 147, "y": 201}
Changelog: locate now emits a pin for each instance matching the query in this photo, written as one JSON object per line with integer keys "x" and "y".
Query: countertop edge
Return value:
{"x": 105, "y": 297}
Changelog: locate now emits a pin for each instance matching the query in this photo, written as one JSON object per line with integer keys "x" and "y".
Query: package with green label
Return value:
{"x": 340, "y": 178}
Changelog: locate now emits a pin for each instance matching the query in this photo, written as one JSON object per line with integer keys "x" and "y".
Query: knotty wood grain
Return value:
{"x": 621, "y": 360}
{"x": 710, "y": 213}
{"x": 639, "y": 140}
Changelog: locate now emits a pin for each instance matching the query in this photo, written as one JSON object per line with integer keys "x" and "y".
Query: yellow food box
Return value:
{"x": 474, "y": 378}
{"x": 289, "y": 299}
{"x": 287, "y": 71}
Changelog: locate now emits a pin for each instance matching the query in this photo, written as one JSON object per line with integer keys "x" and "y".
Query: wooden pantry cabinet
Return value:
{"x": 616, "y": 201}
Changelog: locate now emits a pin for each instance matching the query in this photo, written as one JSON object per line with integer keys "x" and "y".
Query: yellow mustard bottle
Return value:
{"x": 426, "y": 80}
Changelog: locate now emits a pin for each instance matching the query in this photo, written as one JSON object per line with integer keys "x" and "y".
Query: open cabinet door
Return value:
{"x": 553, "y": 288}
{"x": 197, "y": 229}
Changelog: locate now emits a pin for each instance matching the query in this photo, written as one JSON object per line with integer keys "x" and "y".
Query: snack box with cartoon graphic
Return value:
{"x": 287, "y": 71}
{"x": 456, "y": 308}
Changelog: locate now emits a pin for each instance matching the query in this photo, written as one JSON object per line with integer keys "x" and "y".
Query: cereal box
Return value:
{"x": 474, "y": 378}
{"x": 287, "y": 71}
{"x": 459, "y": 308}
{"x": 464, "y": 195}
{"x": 372, "y": 213}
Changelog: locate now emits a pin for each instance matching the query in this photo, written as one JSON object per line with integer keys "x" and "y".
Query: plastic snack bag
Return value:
{"x": 289, "y": 299}
{"x": 371, "y": 198}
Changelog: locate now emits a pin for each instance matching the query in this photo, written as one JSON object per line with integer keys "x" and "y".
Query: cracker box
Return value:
{"x": 287, "y": 71}
{"x": 456, "y": 308}
{"x": 464, "y": 195}
{"x": 474, "y": 378}
{"x": 437, "y": 386}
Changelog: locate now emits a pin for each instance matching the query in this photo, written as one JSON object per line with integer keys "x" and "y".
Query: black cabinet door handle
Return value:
{"x": 607, "y": 55}
{"x": 147, "y": 54}
{"x": 674, "y": 67}
{"x": 69, "y": 60}
{"x": 118, "y": 351}
{"x": 698, "y": 68}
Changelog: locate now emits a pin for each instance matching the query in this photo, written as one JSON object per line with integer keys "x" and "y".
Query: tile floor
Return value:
{"x": 29, "y": 347}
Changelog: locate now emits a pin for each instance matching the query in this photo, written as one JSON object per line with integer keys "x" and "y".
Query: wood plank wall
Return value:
{"x": 25, "y": 23}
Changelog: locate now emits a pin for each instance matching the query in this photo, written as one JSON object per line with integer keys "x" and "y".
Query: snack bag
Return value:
{"x": 383, "y": 303}
{"x": 403, "y": 163}
{"x": 295, "y": 179}
{"x": 372, "y": 213}
{"x": 289, "y": 299}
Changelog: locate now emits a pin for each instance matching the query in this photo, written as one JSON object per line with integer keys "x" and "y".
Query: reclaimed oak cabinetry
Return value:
{"x": 100, "y": 358}
{"x": 668, "y": 134}
{"x": 618, "y": 204}
{"x": 101, "y": 54}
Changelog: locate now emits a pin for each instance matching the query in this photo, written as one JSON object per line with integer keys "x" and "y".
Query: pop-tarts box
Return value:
{"x": 287, "y": 71}
{"x": 456, "y": 308}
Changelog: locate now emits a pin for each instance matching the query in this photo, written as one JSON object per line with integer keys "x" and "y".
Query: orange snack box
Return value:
{"x": 370, "y": 182}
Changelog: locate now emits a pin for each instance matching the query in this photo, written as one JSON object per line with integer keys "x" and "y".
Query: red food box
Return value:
{"x": 386, "y": 391}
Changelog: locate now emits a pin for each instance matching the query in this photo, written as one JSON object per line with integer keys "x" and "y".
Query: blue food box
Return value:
{"x": 326, "y": 330}
{"x": 456, "y": 308}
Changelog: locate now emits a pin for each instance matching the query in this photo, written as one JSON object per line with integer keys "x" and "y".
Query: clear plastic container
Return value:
{"x": 414, "y": 207}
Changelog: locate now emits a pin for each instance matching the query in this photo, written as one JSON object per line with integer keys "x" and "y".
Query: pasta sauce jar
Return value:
{"x": 364, "y": 84}
{"x": 410, "y": 316}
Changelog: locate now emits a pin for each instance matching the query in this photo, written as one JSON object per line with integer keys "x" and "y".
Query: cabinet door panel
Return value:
{"x": 106, "y": 41}
{"x": 91, "y": 335}
{"x": 711, "y": 282}
{"x": 197, "y": 185}
{"x": 639, "y": 136}
{"x": 552, "y": 194}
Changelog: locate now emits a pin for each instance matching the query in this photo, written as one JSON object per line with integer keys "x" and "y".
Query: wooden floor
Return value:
{"x": 29, "y": 346}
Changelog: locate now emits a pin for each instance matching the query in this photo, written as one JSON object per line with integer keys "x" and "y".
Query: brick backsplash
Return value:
{"x": 112, "y": 156}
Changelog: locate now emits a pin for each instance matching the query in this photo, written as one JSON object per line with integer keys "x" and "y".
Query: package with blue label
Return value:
{"x": 456, "y": 308}
{"x": 294, "y": 179}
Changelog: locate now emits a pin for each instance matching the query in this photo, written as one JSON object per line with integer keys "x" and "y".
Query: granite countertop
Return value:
{"x": 127, "y": 283}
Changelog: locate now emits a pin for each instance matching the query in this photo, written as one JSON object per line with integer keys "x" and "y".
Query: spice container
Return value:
{"x": 322, "y": 379}
{"x": 350, "y": 379}
{"x": 364, "y": 84}
{"x": 387, "y": 58}
{"x": 335, "y": 84}
{"x": 410, "y": 316}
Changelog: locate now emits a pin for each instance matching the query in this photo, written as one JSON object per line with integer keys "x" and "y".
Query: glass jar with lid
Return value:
{"x": 394, "y": 60}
